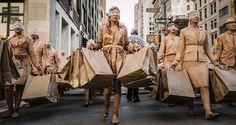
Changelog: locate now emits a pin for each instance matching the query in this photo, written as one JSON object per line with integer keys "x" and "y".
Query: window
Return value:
{"x": 212, "y": 24}
{"x": 215, "y": 23}
{"x": 10, "y": 12}
{"x": 205, "y": 13}
{"x": 200, "y": 14}
{"x": 213, "y": 38}
{"x": 79, "y": 7}
{"x": 188, "y": 0}
{"x": 223, "y": 11}
{"x": 213, "y": 7}
{"x": 204, "y": 1}
{"x": 206, "y": 26}
{"x": 223, "y": 29}
{"x": 195, "y": 6}
{"x": 200, "y": 3}
{"x": 4, "y": 9}
{"x": 188, "y": 7}
{"x": 14, "y": 9}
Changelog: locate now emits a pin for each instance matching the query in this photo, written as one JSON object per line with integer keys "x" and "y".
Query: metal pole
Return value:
{"x": 164, "y": 8}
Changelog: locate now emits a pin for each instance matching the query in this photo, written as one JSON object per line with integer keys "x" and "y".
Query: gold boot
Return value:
{"x": 107, "y": 95}
{"x": 9, "y": 99}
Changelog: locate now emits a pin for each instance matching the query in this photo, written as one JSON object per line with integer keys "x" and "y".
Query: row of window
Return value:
{"x": 213, "y": 24}
{"x": 200, "y": 2}
{"x": 204, "y": 13}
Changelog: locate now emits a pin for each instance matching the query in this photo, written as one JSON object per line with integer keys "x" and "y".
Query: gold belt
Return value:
{"x": 116, "y": 46}
{"x": 20, "y": 56}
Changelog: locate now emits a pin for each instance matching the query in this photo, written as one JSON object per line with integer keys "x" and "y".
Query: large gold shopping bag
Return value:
{"x": 175, "y": 87}
{"x": 138, "y": 67}
{"x": 94, "y": 69}
{"x": 223, "y": 85}
{"x": 41, "y": 88}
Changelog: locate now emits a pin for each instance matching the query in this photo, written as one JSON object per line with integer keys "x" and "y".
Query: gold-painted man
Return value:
{"x": 226, "y": 46}
{"x": 52, "y": 59}
{"x": 22, "y": 51}
{"x": 39, "y": 50}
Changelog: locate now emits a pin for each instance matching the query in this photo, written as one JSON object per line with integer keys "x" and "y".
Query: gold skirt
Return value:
{"x": 198, "y": 73}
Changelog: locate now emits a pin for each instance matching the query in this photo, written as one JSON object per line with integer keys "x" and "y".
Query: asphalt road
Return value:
{"x": 70, "y": 111}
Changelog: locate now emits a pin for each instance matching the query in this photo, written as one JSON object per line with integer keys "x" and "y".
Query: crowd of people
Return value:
{"x": 188, "y": 51}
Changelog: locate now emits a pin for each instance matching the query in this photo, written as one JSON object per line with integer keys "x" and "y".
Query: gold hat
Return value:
{"x": 230, "y": 20}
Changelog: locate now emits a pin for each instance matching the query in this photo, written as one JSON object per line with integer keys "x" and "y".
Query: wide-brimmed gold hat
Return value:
{"x": 230, "y": 20}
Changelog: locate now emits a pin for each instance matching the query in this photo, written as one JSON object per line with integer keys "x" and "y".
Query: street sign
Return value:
{"x": 161, "y": 22}
{"x": 162, "y": 18}
{"x": 152, "y": 10}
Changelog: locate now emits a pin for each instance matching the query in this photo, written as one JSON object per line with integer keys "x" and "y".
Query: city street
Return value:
{"x": 72, "y": 47}
{"x": 70, "y": 111}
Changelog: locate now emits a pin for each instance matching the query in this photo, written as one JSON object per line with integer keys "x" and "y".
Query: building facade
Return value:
{"x": 138, "y": 17}
{"x": 148, "y": 20}
{"x": 209, "y": 18}
{"x": 175, "y": 11}
{"x": 63, "y": 22}
{"x": 226, "y": 9}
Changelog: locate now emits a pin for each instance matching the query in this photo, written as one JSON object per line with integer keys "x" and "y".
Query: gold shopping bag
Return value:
{"x": 223, "y": 85}
{"x": 175, "y": 87}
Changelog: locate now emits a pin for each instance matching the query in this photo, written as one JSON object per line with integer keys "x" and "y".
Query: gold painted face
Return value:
{"x": 34, "y": 36}
{"x": 18, "y": 30}
{"x": 114, "y": 18}
{"x": 172, "y": 28}
{"x": 231, "y": 26}
{"x": 114, "y": 14}
{"x": 194, "y": 18}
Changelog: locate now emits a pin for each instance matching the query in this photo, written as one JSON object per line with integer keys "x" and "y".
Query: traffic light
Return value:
{"x": 152, "y": 38}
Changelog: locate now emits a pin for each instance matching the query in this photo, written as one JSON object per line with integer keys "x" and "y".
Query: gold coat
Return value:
{"x": 113, "y": 45}
{"x": 23, "y": 53}
{"x": 52, "y": 59}
{"x": 168, "y": 50}
{"x": 40, "y": 53}
{"x": 226, "y": 49}
{"x": 192, "y": 49}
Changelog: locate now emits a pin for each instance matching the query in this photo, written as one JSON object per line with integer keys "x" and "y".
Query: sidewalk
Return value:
{"x": 3, "y": 106}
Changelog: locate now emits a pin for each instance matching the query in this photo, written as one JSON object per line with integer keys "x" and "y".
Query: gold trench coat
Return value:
{"x": 168, "y": 50}
{"x": 23, "y": 53}
{"x": 40, "y": 54}
{"x": 52, "y": 60}
{"x": 113, "y": 45}
{"x": 226, "y": 49}
{"x": 193, "y": 49}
